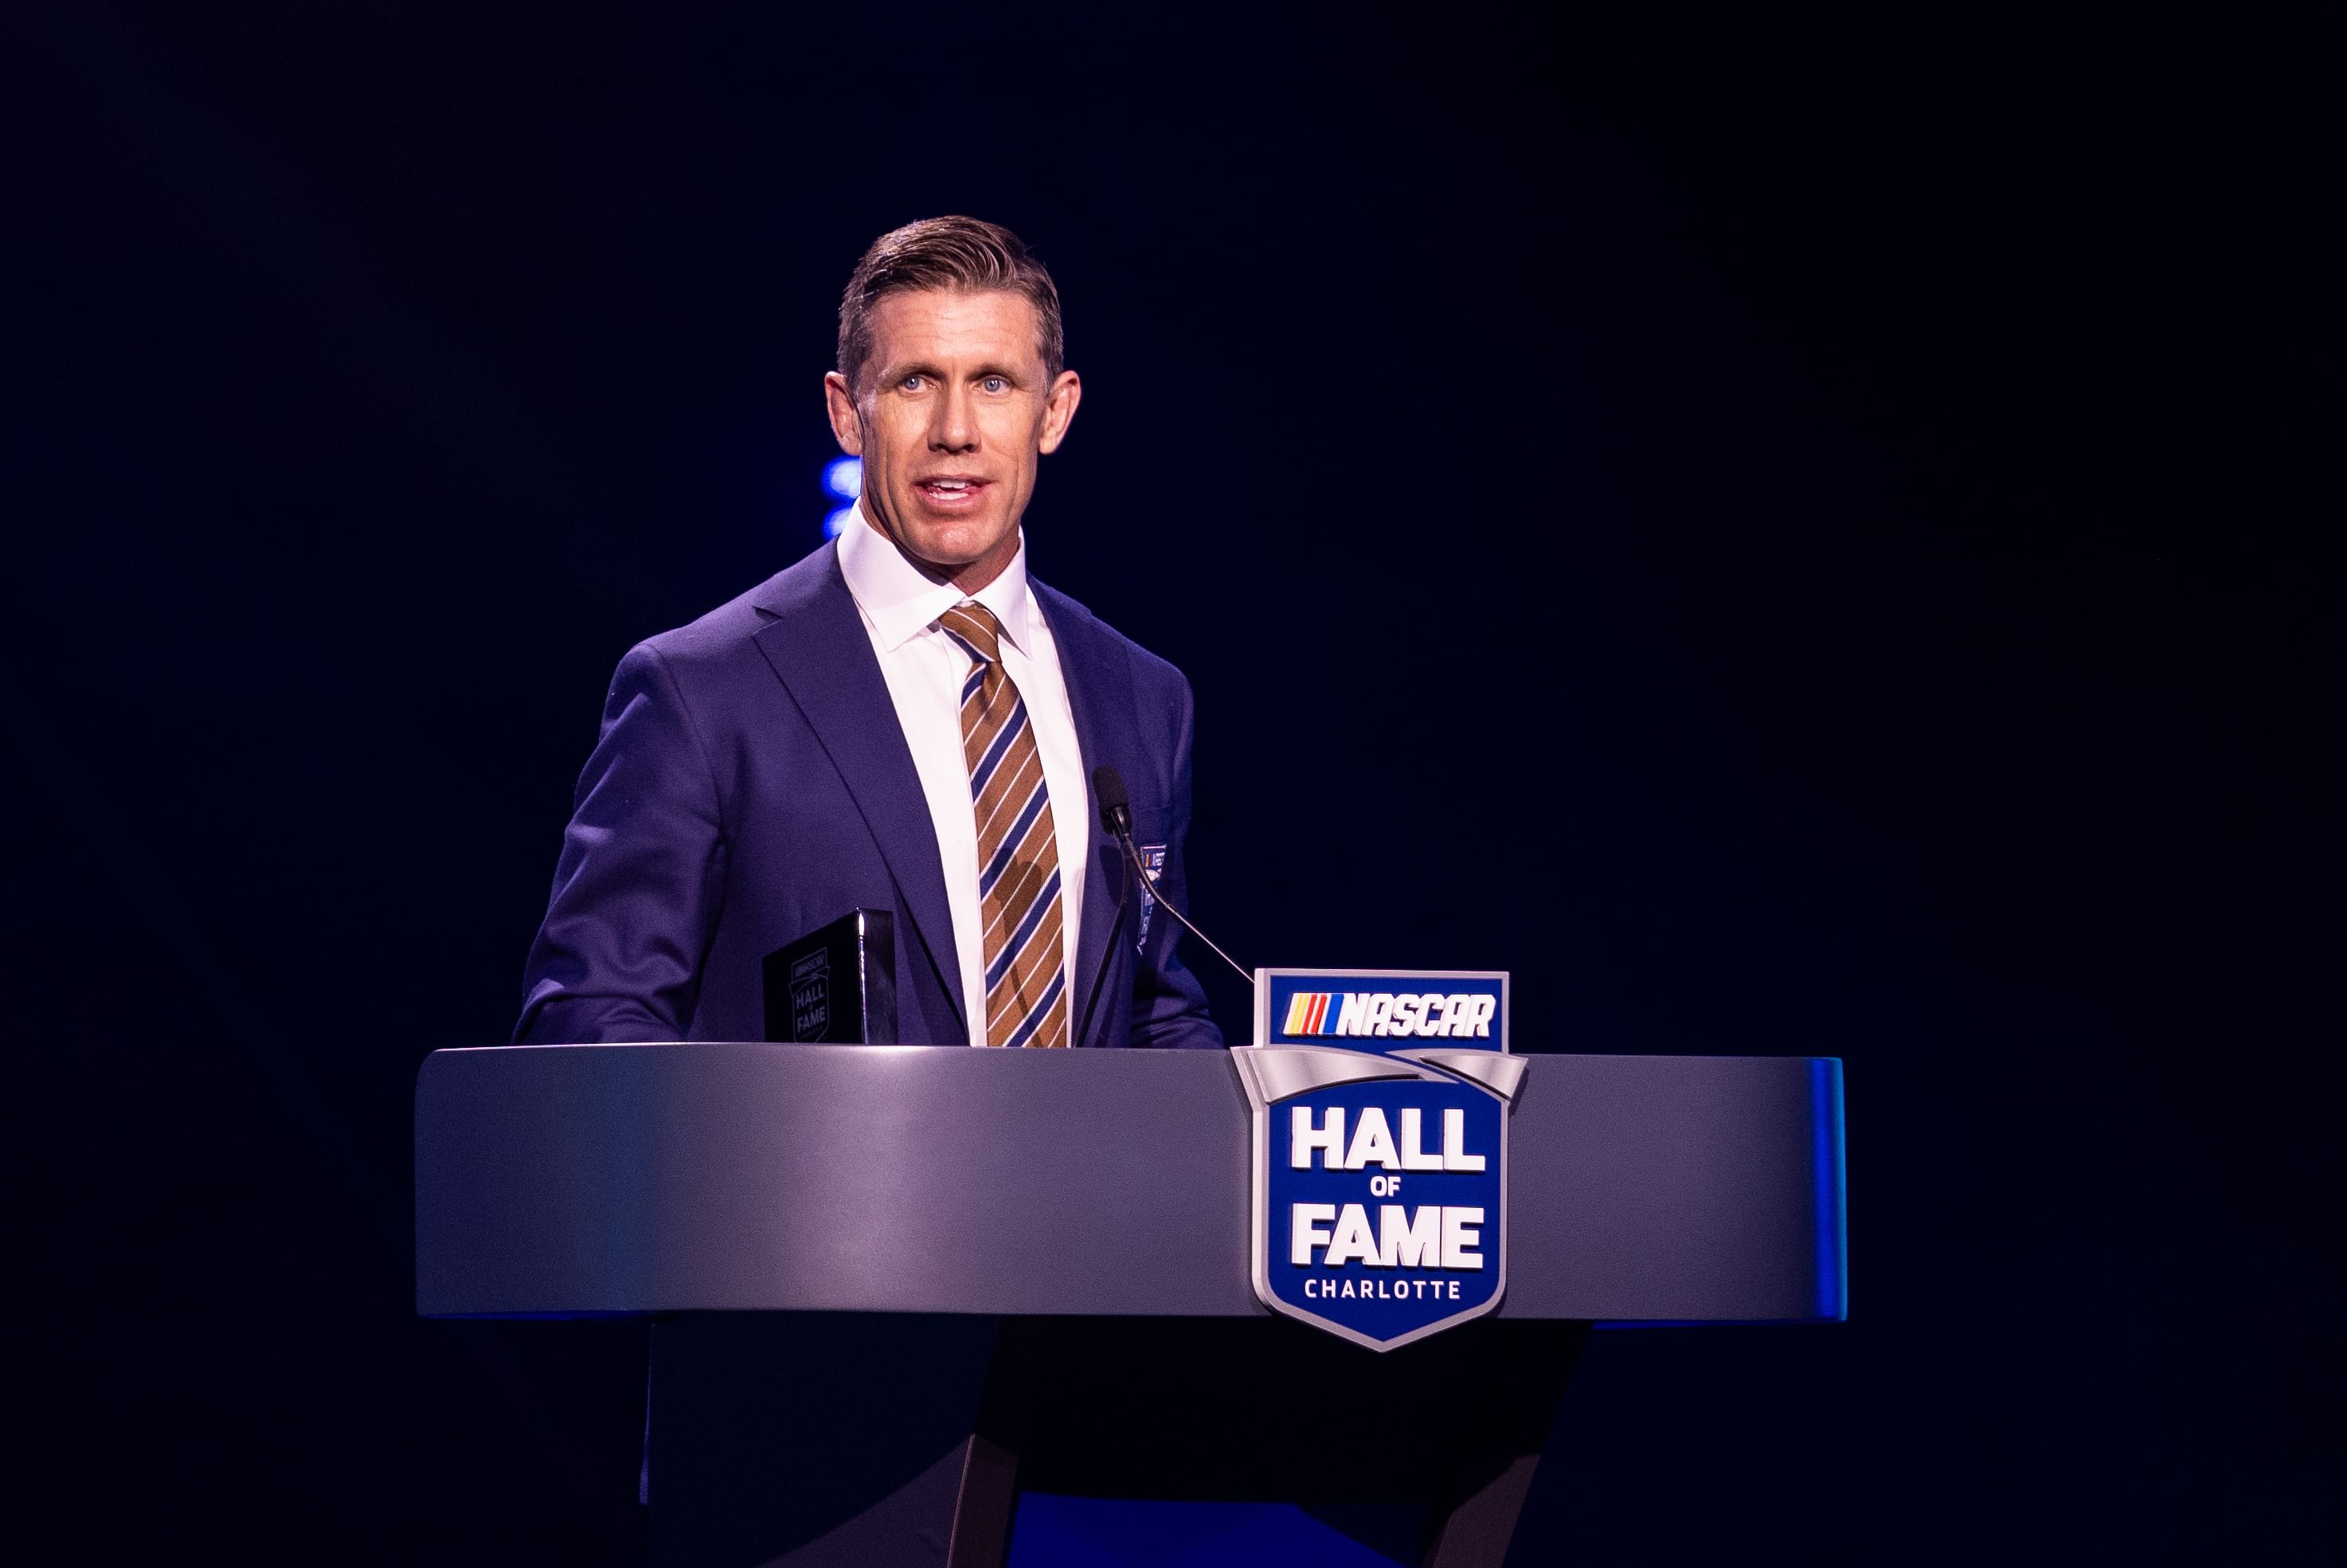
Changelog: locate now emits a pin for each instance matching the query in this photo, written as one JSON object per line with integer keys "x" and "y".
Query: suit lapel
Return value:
{"x": 1099, "y": 677}
{"x": 818, "y": 646}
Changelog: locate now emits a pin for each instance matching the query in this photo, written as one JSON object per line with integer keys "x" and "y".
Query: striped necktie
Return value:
{"x": 1017, "y": 856}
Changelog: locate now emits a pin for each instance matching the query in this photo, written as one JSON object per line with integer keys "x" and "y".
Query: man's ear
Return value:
{"x": 847, "y": 425}
{"x": 1060, "y": 410}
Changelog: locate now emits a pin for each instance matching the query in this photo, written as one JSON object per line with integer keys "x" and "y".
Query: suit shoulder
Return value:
{"x": 724, "y": 633}
{"x": 1150, "y": 671}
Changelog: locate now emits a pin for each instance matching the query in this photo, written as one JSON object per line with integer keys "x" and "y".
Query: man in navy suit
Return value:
{"x": 905, "y": 720}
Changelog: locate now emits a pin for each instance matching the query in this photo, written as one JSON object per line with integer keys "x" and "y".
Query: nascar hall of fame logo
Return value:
{"x": 810, "y": 995}
{"x": 1380, "y": 1100}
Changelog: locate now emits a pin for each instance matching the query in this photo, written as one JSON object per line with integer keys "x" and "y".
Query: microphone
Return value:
{"x": 1116, "y": 816}
{"x": 1116, "y": 807}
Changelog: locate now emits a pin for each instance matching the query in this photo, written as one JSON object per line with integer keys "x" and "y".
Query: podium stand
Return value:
{"x": 896, "y": 1286}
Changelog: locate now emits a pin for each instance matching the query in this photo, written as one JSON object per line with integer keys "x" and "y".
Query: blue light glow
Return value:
{"x": 1825, "y": 1181}
{"x": 844, "y": 478}
{"x": 837, "y": 520}
{"x": 1084, "y": 1531}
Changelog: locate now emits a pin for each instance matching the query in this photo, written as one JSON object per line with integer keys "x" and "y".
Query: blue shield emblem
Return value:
{"x": 1380, "y": 1103}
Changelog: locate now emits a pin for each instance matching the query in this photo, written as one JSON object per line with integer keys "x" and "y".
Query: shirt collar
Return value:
{"x": 901, "y": 602}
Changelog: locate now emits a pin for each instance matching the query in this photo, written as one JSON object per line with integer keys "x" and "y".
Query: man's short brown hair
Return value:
{"x": 957, "y": 253}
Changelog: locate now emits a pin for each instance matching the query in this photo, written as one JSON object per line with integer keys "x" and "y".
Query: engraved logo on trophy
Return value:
{"x": 811, "y": 996}
{"x": 1380, "y": 1103}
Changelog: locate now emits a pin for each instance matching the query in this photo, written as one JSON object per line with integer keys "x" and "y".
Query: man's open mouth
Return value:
{"x": 950, "y": 492}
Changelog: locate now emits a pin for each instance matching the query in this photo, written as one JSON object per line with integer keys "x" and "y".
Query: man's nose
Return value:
{"x": 953, "y": 430}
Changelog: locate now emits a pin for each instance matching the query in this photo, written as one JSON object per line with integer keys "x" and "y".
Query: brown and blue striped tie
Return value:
{"x": 1017, "y": 856}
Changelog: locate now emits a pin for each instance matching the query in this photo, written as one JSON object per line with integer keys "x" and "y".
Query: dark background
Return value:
{"x": 1802, "y": 534}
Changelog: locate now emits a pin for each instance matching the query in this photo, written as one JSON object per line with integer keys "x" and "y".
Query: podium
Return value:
{"x": 896, "y": 1286}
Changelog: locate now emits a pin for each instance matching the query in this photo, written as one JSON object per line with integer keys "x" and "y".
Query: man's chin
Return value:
{"x": 949, "y": 552}
{"x": 953, "y": 548}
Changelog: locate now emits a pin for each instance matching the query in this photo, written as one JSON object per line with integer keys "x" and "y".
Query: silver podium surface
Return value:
{"x": 629, "y": 1178}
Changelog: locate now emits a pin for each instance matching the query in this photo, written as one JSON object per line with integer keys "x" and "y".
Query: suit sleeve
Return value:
{"x": 640, "y": 878}
{"x": 1169, "y": 1005}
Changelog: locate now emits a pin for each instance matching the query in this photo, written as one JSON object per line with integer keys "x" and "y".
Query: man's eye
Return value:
{"x": 995, "y": 383}
{"x": 911, "y": 384}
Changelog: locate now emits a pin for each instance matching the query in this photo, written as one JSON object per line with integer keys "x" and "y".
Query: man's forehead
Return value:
{"x": 956, "y": 323}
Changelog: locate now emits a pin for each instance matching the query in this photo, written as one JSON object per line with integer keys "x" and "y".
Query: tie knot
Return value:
{"x": 974, "y": 627}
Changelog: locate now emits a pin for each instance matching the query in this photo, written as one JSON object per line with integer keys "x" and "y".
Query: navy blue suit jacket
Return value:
{"x": 752, "y": 783}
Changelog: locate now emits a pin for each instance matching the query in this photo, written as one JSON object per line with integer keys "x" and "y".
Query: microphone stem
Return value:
{"x": 1108, "y": 957}
{"x": 1134, "y": 854}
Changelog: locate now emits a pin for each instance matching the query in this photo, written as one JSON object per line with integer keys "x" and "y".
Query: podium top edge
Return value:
{"x": 826, "y": 1045}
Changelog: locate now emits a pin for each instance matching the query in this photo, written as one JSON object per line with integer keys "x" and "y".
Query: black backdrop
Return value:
{"x": 1790, "y": 535}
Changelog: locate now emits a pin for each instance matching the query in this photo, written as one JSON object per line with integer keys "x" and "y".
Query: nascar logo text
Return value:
{"x": 1386, "y": 1014}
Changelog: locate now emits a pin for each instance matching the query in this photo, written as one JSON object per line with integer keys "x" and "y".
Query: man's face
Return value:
{"x": 953, "y": 414}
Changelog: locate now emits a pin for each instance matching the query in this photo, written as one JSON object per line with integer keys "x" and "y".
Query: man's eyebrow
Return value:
{"x": 923, "y": 367}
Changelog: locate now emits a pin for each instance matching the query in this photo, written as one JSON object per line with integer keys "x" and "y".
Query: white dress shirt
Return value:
{"x": 925, "y": 669}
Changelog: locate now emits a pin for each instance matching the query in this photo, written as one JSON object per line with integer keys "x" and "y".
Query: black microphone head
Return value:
{"x": 1116, "y": 807}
